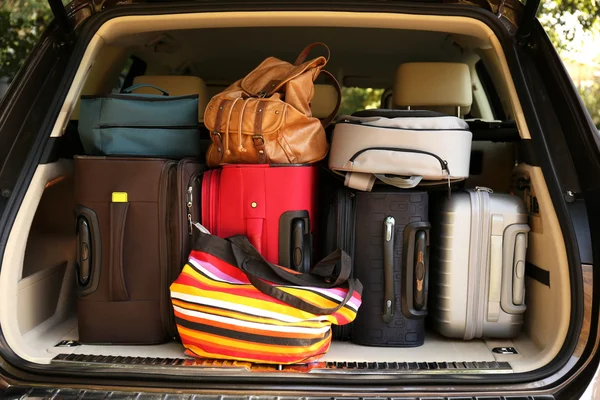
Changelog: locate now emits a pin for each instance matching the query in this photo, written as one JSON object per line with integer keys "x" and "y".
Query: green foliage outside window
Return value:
{"x": 21, "y": 24}
{"x": 355, "y": 99}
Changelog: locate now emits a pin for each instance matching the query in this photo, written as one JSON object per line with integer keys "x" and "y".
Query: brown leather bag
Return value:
{"x": 266, "y": 116}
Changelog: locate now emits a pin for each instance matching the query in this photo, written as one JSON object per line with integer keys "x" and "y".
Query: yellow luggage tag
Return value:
{"x": 119, "y": 197}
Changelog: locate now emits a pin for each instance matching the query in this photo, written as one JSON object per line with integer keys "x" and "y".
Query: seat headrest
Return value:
{"x": 324, "y": 101}
{"x": 436, "y": 86}
{"x": 176, "y": 86}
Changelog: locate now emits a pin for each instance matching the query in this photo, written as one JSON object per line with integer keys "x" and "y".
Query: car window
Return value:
{"x": 356, "y": 99}
{"x": 490, "y": 91}
{"x": 132, "y": 68}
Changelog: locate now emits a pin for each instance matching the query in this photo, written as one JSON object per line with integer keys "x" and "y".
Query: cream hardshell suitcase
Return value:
{"x": 478, "y": 255}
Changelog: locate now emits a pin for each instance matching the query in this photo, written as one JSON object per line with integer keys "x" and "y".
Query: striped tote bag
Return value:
{"x": 230, "y": 303}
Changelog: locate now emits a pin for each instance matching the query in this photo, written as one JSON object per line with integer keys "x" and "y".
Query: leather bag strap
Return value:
{"x": 304, "y": 53}
{"x": 329, "y": 119}
{"x": 118, "y": 217}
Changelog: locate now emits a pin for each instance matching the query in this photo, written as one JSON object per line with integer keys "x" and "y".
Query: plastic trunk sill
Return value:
{"x": 187, "y": 366}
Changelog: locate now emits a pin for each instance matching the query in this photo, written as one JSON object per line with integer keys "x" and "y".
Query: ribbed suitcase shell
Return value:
{"x": 371, "y": 210}
{"x": 466, "y": 292}
{"x": 338, "y": 233}
{"x": 250, "y": 200}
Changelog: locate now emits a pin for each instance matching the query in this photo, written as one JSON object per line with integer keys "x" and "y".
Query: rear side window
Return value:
{"x": 490, "y": 91}
{"x": 132, "y": 68}
{"x": 356, "y": 99}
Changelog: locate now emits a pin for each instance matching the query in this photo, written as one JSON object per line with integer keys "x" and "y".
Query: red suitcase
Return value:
{"x": 274, "y": 206}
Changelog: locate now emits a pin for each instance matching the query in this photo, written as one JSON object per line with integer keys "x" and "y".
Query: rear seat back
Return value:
{"x": 436, "y": 86}
{"x": 176, "y": 86}
{"x": 447, "y": 88}
{"x": 324, "y": 101}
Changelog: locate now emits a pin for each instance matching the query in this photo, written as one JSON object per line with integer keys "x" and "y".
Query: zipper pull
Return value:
{"x": 189, "y": 204}
{"x": 447, "y": 169}
{"x": 201, "y": 228}
{"x": 189, "y": 197}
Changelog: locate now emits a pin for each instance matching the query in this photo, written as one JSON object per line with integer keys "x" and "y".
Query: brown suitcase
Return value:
{"x": 132, "y": 224}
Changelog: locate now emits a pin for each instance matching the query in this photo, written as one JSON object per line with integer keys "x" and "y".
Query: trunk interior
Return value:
{"x": 37, "y": 281}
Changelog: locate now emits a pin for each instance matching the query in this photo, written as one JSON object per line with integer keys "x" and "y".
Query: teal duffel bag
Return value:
{"x": 140, "y": 124}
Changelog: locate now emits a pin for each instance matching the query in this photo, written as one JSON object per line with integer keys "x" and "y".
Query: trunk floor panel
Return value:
{"x": 435, "y": 349}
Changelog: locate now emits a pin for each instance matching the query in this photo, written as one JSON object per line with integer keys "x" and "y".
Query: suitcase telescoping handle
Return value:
{"x": 415, "y": 270}
{"x": 389, "y": 226}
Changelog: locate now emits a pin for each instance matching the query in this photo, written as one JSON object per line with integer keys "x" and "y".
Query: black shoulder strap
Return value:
{"x": 259, "y": 271}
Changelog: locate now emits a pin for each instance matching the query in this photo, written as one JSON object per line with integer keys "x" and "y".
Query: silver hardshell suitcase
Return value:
{"x": 478, "y": 255}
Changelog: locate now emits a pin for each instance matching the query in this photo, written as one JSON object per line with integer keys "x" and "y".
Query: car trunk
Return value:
{"x": 39, "y": 314}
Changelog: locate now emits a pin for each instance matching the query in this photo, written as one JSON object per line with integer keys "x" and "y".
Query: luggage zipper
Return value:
{"x": 181, "y": 210}
{"x": 345, "y": 223}
{"x": 443, "y": 163}
{"x": 189, "y": 202}
{"x": 166, "y": 312}
{"x": 484, "y": 273}
{"x": 365, "y": 121}
{"x": 478, "y": 263}
{"x": 349, "y": 218}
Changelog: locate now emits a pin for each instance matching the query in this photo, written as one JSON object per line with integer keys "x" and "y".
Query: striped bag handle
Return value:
{"x": 259, "y": 272}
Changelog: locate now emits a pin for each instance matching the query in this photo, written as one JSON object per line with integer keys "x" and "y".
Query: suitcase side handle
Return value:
{"x": 514, "y": 255}
{"x": 295, "y": 245}
{"x": 89, "y": 251}
{"x": 415, "y": 270}
{"x": 389, "y": 227}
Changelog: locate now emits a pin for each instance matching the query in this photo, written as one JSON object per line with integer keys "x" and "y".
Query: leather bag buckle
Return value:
{"x": 258, "y": 137}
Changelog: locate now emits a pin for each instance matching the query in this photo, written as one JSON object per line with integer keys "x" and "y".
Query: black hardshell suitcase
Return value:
{"x": 391, "y": 257}
{"x": 339, "y": 233}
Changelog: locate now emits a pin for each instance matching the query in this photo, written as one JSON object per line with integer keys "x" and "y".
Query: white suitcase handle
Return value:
{"x": 514, "y": 256}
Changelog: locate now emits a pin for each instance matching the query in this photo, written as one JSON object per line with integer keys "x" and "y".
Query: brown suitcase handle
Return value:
{"x": 117, "y": 287}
